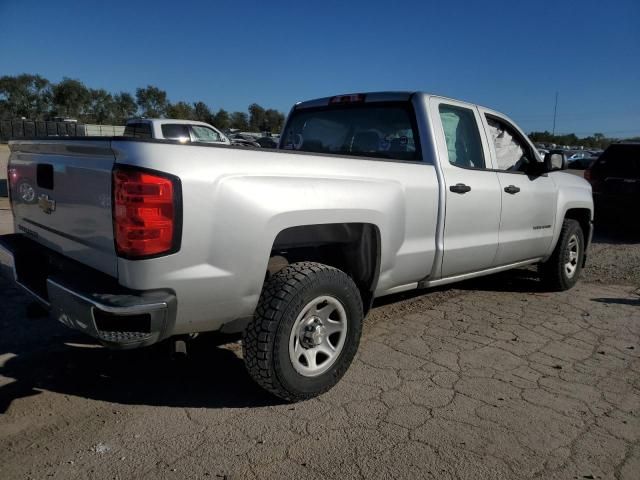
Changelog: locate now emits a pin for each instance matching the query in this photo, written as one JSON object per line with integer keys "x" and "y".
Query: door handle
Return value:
{"x": 512, "y": 189}
{"x": 460, "y": 188}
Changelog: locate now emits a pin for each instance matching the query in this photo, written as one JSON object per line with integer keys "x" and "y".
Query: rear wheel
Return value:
{"x": 305, "y": 331}
{"x": 562, "y": 270}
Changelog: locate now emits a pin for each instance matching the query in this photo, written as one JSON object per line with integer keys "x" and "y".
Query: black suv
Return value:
{"x": 615, "y": 178}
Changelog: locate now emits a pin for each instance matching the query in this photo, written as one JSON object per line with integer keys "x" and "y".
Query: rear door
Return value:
{"x": 472, "y": 218}
{"x": 528, "y": 202}
{"x": 61, "y": 198}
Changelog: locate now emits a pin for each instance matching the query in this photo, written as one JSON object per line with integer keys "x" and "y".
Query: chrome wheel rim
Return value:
{"x": 573, "y": 249}
{"x": 318, "y": 336}
{"x": 26, "y": 192}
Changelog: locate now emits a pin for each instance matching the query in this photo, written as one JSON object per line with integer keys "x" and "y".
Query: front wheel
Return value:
{"x": 305, "y": 331}
{"x": 563, "y": 268}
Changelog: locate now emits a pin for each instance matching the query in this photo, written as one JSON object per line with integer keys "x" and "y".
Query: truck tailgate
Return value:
{"x": 61, "y": 197}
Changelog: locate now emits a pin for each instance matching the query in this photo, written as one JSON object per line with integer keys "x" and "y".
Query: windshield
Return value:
{"x": 373, "y": 130}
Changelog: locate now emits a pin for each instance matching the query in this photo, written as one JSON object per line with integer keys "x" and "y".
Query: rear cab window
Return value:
{"x": 380, "y": 130}
{"x": 138, "y": 130}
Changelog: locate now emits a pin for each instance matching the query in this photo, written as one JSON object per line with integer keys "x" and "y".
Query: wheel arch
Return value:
{"x": 354, "y": 248}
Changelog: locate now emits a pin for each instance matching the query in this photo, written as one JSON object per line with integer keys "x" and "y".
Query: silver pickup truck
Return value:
{"x": 133, "y": 241}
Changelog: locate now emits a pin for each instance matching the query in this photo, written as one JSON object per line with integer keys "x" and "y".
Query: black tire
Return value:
{"x": 555, "y": 275}
{"x": 283, "y": 299}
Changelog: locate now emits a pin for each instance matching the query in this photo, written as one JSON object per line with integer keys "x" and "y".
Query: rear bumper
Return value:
{"x": 85, "y": 299}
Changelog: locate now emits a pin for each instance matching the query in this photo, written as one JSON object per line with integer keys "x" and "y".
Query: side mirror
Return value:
{"x": 555, "y": 161}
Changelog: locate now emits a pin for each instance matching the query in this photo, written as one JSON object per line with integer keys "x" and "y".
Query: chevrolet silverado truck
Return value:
{"x": 134, "y": 240}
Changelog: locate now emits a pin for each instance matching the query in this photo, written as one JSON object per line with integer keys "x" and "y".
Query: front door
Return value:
{"x": 472, "y": 218}
{"x": 528, "y": 201}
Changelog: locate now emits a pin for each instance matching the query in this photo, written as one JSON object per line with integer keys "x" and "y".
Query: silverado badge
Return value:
{"x": 46, "y": 204}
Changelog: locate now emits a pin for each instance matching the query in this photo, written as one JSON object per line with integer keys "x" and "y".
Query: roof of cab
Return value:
{"x": 167, "y": 120}
{"x": 391, "y": 96}
{"x": 372, "y": 97}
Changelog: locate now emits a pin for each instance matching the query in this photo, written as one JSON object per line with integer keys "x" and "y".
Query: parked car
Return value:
{"x": 267, "y": 142}
{"x": 615, "y": 179}
{"x": 582, "y": 163}
{"x": 367, "y": 195}
{"x": 244, "y": 140}
{"x": 173, "y": 129}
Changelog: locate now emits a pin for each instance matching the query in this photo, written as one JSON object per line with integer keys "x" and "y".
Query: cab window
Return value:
{"x": 461, "y": 133}
{"x": 176, "y": 131}
{"x": 204, "y": 134}
{"x": 513, "y": 153}
{"x": 137, "y": 130}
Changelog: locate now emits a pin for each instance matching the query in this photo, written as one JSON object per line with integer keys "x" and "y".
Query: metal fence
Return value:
{"x": 30, "y": 128}
{"x": 103, "y": 130}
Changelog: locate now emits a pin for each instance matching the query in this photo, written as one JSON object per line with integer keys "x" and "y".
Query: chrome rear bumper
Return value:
{"x": 86, "y": 300}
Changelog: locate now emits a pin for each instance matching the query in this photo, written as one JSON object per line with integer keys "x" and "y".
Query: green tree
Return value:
{"x": 221, "y": 120}
{"x": 202, "y": 113}
{"x": 71, "y": 98}
{"x": 101, "y": 106}
{"x": 124, "y": 107}
{"x": 180, "y": 110}
{"x": 25, "y": 95}
{"x": 256, "y": 118}
{"x": 239, "y": 120}
{"x": 274, "y": 121}
{"x": 152, "y": 101}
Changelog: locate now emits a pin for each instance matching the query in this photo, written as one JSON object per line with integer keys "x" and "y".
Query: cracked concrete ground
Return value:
{"x": 490, "y": 379}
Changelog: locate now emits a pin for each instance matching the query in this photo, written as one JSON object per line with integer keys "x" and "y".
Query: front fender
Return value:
{"x": 573, "y": 193}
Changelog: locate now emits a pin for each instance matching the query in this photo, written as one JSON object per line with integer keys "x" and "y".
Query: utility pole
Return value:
{"x": 555, "y": 112}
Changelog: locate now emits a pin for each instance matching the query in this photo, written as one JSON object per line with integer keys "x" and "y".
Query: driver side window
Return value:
{"x": 512, "y": 152}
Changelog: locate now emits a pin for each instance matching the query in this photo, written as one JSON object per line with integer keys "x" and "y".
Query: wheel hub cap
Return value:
{"x": 313, "y": 333}
{"x": 318, "y": 335}
{"x": 573, "y": 250}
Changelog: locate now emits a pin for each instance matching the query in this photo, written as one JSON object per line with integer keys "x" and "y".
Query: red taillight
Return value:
{"x": 144, "y": 213}
{"x": 353, "y": 98}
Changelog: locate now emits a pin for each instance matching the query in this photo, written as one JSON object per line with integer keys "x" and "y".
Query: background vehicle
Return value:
{"x": 267, "y": 142}
{"x": 615, "y": 179}
{"x": 134, "y": 242}
{"x": 172, "y": 129}
{"x": 244, "y": 140}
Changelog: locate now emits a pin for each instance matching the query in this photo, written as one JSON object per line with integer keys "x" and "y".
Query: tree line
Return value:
{"x": 36, "y": 98}
{"x": 596, "y": 141}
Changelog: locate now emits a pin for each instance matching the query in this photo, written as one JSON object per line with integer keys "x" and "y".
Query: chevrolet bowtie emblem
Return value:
{"x": 46, "y": 204}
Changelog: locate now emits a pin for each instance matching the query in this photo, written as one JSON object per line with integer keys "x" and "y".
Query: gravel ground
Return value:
{"x": 491, "y": 378}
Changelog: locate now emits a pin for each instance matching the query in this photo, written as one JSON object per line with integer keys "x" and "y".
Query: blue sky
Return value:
{"x": 511, "y": 56}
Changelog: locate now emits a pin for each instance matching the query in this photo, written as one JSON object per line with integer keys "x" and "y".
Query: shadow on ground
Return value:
{"x": 40, "y": 354}
{"x": 3, "y": 188}
{"x": 618, "y": 301}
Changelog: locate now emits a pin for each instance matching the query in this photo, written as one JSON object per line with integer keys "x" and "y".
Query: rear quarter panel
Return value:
{"x": 236, "y": 201}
